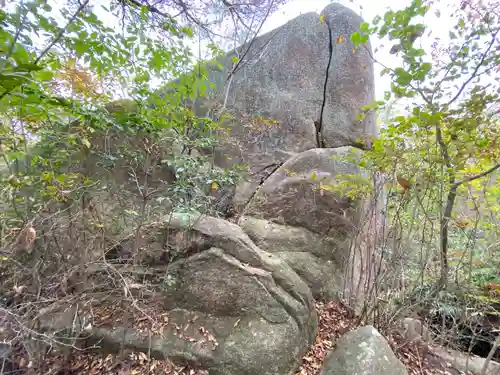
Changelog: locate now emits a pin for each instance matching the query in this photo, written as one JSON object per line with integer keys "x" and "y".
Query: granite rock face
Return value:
{"x": 295, "y": 214}
{"x": 232, "y": 307}
{"x": 349, "y": 84}
{"x": 299, "y": 77}
{"x": 293, "y": 97}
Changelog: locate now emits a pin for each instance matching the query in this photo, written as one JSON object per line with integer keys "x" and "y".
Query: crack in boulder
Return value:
{"x": 262, "y": 180}
{"x": 319, "y": 124}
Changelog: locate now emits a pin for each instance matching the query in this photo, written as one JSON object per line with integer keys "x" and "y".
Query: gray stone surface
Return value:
{"x": 257, "y": 313}
{"x": 414, "y": 330}
{"x": 309, "y": 255}
{"x": 293, "y": 195}
{"x": 461, "y": 361}
{"x": 363, "y": 351}
{"x": 313, "y": 228}
{"x": 298, "y": 76}
{"x": 252, "y": 289}
{"x": 350, "y": 84}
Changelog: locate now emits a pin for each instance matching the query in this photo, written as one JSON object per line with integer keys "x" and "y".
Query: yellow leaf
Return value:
{"x": 314, "y": 176}
{"x": 322, "y": 18}
{"x": 340, "y": 39}
{"x": 214, "y": 185}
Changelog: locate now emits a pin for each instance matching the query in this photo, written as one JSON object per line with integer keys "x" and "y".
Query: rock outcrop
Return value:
{"x": 414, "y": 331}
{"x": 295, "y": 214}
{"x": 299, "y": 194}
{"x": 465, "y": 363}
{"x": 232, "y": 307}
{"x": 300, "y": 77}
{"x": 363, "y": 351}
{"x": 251, "y": 284}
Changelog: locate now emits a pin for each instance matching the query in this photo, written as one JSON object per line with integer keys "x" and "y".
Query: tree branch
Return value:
{"x": 51, "y": 44}
{"x": 16, "y": 37}
{"x": 61, "y": 32}
{"x": 475, "y": 177}
{"x": 420, "y": 92}
{"x": 235, "y": 69}
{"x": 481, "y": 62}
{"x": 149, "y": 7}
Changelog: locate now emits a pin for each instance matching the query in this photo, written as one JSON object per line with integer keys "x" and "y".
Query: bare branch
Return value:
{"x": 474, "y": 73}
{"x": 475, "y": 177}
{"x": 61, "y": 32}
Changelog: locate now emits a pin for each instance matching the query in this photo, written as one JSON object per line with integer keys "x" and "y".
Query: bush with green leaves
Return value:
{"x": 91, "y": 150}
{"x": 436, "y": 162}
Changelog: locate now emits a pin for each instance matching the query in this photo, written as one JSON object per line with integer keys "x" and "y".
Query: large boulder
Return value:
{"x": 299, "y": 214}
{"x": 298, "y": 76}
{"x": 350, "y": 82}
{"x": 232, "y": 307}
{"x": 308, "y": 254}
{"x": 363, "y": 351}
{"x": 300, "y": 194}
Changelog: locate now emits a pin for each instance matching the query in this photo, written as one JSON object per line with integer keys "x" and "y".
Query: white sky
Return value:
{"x": 369, "y": 9}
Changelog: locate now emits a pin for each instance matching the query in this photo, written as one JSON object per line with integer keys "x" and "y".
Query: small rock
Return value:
{"x": 363, "y": 351}
{"x": 413, "y": 330}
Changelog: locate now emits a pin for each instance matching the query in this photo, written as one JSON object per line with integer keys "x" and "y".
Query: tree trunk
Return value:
{"x": 445, "y": 220}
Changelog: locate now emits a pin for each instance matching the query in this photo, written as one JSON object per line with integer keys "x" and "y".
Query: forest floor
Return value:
{"x": 334, "y": 321}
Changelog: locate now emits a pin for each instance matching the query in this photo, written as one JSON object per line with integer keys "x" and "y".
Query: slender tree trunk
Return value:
{"x": 444, "y": 225}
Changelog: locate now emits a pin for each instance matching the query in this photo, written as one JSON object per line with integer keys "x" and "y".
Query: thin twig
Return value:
{"x": 475, "y": 177}
{"x": 61, "y": 32}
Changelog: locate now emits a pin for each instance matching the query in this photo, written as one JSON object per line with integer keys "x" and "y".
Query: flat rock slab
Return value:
{"x": 461, "y": 361}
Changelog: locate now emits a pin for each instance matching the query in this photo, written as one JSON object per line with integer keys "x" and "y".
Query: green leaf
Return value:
{"x": 45, "y": 75}
{"x": 28, "y": 67}
{"x": 188, "y": 31}
{"x": 426, "y": 66}
{"x": 389, "y": 16}
{"x": 80, "y": 48}
{"x": 403, "y": 77}
{"x": 356, "y": 38}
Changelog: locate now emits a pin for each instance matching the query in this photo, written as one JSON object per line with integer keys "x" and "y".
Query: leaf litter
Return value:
{"x": 335, "y": 319}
